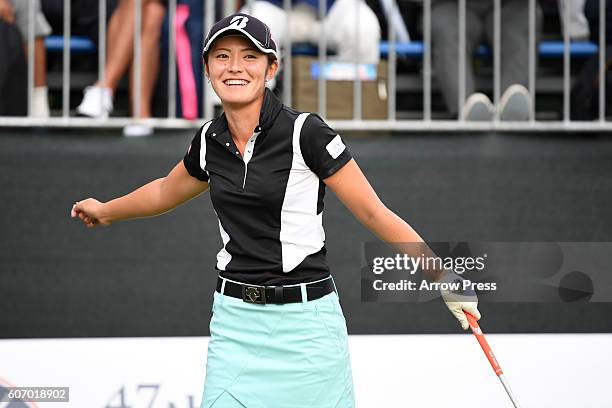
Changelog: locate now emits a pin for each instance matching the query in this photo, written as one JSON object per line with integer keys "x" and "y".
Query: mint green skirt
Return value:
{"x": 293, "y": 355}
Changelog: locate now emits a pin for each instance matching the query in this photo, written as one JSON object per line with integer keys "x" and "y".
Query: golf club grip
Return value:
{"x": 483, "y": 343}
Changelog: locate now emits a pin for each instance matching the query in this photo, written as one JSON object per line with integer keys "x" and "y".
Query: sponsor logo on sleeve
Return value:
{"x": 335, "y": 147}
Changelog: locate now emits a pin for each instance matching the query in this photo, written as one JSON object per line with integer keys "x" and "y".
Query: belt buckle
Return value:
{"x": 254, "y": 294}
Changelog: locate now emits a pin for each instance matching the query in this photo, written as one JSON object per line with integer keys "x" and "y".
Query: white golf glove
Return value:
{"x": 459, "y": 300}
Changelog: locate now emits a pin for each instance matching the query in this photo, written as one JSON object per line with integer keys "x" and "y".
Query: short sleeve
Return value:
{"x": 194, "y": 159}
{"x": 323, "y": 149}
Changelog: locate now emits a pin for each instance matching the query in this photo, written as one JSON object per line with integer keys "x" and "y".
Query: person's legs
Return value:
{"x": 119, "y": 44}
{"x": 40, "y": 102}
{"x": 13, "y": 72}
{"x": 445, "y": 41}
{"x": 98, "y": 99}
{"x": 40, "y": 63}
{"x": 514, "y": 41}
{"x": 40, "y": 97}
{"x": 515, "y": 103}
{"x": 153, "y": 17}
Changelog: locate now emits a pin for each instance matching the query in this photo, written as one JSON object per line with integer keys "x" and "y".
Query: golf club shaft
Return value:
{"x": 508, "y": 391}
{"x": 490, "y": 356}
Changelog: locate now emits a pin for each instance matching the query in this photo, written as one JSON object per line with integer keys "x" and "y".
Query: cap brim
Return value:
{"x": 242, "y": 32}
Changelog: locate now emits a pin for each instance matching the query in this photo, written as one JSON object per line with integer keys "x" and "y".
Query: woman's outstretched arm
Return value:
{"x": 155, "y": 198}
{"x": 356, "y": 193}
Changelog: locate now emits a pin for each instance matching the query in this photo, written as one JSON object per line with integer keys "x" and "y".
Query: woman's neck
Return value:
{"x": 243, "y": 120}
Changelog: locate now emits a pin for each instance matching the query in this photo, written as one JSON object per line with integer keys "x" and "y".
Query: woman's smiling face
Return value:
{"x": 238, "y": 70}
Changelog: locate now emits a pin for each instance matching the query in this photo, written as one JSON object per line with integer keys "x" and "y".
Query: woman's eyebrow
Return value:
{"x": 228, "y": 50}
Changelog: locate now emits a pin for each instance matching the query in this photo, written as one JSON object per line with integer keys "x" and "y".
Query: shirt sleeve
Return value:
{"x": 192, "y": 160}
{"x": 323, "y": 149}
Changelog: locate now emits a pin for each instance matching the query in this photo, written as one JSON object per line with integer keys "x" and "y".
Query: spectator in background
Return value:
{"x": 16, "y": 12}
{"x": 578, "y": 24}
{"x": 98, "y": 99}
{"x": 338, "y": 25}
{"x": 13, "y": 72}
{"x": 591, "y": 11}
{"x": 84, "y": 16}
{"x": 515, "y": 103}
{"x": 585, "y": 88}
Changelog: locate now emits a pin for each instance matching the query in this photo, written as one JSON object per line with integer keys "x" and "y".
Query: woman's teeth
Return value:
{"x": 235, "y": 82}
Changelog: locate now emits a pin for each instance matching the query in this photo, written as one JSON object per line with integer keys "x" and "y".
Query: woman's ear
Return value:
{"x": 272, "y": 68}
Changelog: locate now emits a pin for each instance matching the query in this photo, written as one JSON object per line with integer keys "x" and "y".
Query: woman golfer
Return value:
{"x": 278, "y": 334}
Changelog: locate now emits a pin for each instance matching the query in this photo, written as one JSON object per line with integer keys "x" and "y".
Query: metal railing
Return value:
{"x": 426, "y": 123}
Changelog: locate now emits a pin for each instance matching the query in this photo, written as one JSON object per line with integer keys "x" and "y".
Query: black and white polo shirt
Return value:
{"x": 269, "y": 202}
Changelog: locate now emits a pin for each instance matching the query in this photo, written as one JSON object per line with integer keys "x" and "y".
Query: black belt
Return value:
{"x": 275, "y": 294}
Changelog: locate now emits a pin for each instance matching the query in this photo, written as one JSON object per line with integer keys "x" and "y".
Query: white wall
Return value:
{"x": 559, "y": 370}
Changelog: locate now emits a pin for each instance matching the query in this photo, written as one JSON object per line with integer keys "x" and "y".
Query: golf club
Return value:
{"x": 490, "y": 356}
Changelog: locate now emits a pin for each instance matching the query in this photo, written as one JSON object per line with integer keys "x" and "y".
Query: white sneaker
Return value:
{"x": 40, "y": 102}
{"x": 515, "y": 104}
{"x": 478, "y": 107}
{"x": 137, "y": 130}
{"x": 97, "y": 102}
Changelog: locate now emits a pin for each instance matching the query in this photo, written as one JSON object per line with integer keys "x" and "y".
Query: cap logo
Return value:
{"x": 239, "y": 22}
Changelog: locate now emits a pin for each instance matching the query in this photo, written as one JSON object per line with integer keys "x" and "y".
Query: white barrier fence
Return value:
{"x": 392, "y": 371}
{"x": 425, "y": 123}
